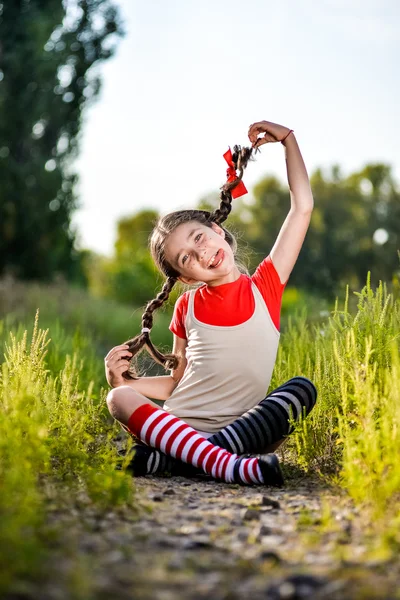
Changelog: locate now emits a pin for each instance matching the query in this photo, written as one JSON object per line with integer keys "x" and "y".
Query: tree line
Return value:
{"x": 47, "y": 51}
{"x": 355, "y": 228}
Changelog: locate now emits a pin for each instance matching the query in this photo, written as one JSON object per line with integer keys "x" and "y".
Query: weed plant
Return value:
{"x": 53, "y": 431}
{"x": 354, "y": 431}
{"x": 56, "y": 431}
{"x": 101, "y": 322}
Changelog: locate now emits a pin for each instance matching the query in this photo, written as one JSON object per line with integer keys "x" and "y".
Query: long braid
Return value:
{"x": 240, "y": 158}
{"x": 141, "y": 341}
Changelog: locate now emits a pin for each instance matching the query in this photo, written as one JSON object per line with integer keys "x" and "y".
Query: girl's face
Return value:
{"x": 200, "y": 253}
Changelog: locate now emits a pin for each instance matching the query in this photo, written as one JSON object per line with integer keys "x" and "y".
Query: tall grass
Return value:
{"x": 354, "y": 430}
{"x": 52, "y": 429}
{"x": 55, "y": 429}
{"x": 64, "y": 309}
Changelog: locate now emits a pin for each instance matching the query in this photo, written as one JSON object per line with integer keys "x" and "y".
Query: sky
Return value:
{"x": 189, "y": 78}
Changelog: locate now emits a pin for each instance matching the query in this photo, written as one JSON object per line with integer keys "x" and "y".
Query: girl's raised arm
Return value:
{"x": 293, "y": 231}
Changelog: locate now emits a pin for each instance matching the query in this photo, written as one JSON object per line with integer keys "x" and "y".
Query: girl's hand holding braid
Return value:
{"x": 117, "y": 362}
{"x": 272, "y": 133}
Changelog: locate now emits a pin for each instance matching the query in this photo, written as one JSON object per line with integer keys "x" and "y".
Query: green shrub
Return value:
{"x": 51, "y": 429}
{"x": 354, "y": 430}
{"x": 55, "y": 428}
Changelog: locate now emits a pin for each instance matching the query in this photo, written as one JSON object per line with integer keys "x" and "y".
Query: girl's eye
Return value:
{"x": 196, "y": 239}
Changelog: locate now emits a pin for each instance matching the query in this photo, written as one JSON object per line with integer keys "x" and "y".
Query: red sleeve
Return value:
{"x": 177, "y": 325}
{"x": 267, "y": 281}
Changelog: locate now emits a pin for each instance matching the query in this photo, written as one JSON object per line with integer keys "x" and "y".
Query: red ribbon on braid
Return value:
{"x": 240, "y": 189}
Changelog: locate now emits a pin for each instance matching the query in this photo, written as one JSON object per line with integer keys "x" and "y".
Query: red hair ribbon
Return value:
{"x": 240, "y": 189}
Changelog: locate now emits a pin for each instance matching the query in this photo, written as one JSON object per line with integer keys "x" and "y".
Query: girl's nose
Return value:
{"x": 202, "y": 253}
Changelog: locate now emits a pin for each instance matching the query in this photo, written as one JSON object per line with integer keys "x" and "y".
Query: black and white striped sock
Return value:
{"x": 269, "y": 421}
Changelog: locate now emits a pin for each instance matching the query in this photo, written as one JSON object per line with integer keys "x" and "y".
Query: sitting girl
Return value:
{"x": 226, "y": 335}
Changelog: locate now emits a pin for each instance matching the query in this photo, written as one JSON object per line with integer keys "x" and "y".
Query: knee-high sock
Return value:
{"x": 269, "y": 421}
{"x": 261, "y": 426}
{"x": 174, "y": 437}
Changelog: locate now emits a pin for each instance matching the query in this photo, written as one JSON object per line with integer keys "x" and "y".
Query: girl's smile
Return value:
{"x": 217, "y": 259}
{"x": 201, "y": 253}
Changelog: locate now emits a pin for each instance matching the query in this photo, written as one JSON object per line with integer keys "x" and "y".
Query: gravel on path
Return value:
{"x": 194, "y": 539}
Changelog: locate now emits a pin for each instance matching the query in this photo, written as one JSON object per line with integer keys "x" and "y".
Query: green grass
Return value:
{"x": 56, "y": 433}
{"x": 54, "y": 430}
{"x": 353, "y": 434}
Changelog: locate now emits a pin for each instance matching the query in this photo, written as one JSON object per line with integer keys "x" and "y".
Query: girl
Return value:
{"x": 226, "y": 335}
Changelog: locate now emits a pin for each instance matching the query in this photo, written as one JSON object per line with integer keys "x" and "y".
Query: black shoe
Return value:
{"x": 147, "y": 460}
{"x": 138, "y": 465}
{"x": 270, "y": 469}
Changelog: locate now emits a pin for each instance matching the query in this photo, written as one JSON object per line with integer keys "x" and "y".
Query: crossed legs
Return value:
{"x": 261, "y": 429}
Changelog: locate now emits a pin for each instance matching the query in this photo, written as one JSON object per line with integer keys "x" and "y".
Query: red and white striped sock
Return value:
{"x": 159, "y": 429}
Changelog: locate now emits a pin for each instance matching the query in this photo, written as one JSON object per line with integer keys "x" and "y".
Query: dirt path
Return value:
{"x": 195, "y": 539}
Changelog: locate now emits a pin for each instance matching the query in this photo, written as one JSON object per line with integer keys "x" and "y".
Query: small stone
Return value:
{"x": 169, "y": 492}
{"x": 89, "y": 544}
{"x": 250, "y": 514}
{"x": 272, "y": 541}
{"x": 286, "y": 590}
{"x": 166, "y": 542}
{"x": 270, "y": 556}
{"x": 194, "y": 499}
{"x": 176, "y": 563}
{"x": 236, "y": 522}
{"x": 270, "y": 502}
{"x": 265, "y": 530}
{"x": 187, "y": 530}
{"x": 193, "y": 517}
{"x": 157, "y": 498}
{"x": 296, "y": 587}
{"x": 203, "y": 531}
{"x": 197, "y": 544}
{"x": 242, "y": 534}
{"x": 115, "y": 556}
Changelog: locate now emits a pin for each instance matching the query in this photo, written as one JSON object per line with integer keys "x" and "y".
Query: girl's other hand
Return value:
{"x": 117, "y": 362}
{"x": 272, "y": 133}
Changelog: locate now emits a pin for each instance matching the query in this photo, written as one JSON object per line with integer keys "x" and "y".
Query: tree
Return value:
{"x": 47, "y": 51}
{"x": 341, "y": 245}
{"x": 130, "y": 276}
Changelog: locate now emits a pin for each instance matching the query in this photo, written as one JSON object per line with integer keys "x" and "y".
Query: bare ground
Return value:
{"x": 196, "y": 538}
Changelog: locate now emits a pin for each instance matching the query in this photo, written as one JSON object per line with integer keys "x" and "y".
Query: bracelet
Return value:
{"x": 287, "y": 135}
